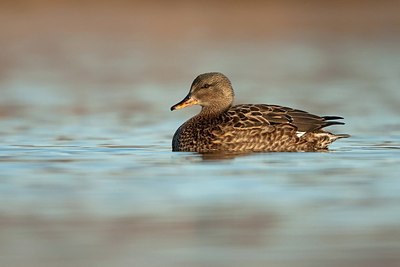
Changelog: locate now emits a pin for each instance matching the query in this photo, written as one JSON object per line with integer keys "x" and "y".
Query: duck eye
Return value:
{"x": 206, "y": 85}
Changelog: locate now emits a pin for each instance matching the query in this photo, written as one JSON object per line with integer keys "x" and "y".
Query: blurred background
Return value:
{"x": 87, "y": 177}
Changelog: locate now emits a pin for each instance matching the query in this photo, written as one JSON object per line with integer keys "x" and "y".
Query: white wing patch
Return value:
{"x": 300, "y": 134}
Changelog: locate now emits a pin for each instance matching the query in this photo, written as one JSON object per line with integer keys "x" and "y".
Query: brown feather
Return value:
{"x": 248, "y": 127}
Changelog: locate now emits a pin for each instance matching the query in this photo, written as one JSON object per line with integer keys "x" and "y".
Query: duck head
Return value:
{"x": 212, "y": 91}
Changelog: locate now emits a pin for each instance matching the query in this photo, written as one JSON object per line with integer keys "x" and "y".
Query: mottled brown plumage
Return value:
{"x": 248, "y": 127}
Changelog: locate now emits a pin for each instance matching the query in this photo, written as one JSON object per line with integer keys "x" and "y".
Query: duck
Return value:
{"x": 221, "y": 126}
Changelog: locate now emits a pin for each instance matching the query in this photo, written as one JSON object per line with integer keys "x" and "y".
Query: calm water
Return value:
{"x": 88, "y": 177}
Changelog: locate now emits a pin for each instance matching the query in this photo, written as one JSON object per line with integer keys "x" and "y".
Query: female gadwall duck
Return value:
{"x": 249, "y": 127}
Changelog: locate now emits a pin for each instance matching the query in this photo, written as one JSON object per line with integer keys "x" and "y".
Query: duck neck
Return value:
{"x": 213, "y": 111}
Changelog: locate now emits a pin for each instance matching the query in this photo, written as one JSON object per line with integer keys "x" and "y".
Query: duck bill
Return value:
{"x": 186, "y": 102}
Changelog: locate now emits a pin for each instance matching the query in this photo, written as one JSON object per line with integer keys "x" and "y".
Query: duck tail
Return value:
{"x": 335, "y": 137}
{"x": 332, "y": 120}
{"x": 320, "y": 140}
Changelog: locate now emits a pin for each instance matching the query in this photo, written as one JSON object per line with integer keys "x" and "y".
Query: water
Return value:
{"x": 87, "y": 176}
{"x": 90, "y": 201}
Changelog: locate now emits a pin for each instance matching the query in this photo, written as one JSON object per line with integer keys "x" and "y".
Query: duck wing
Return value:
{"x": 258, "y": 115}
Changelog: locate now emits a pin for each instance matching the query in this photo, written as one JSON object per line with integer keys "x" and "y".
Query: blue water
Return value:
{"x": 88, "y": 177}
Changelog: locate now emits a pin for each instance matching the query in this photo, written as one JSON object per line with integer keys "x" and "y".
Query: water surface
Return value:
{"x": 87, "y": 176}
